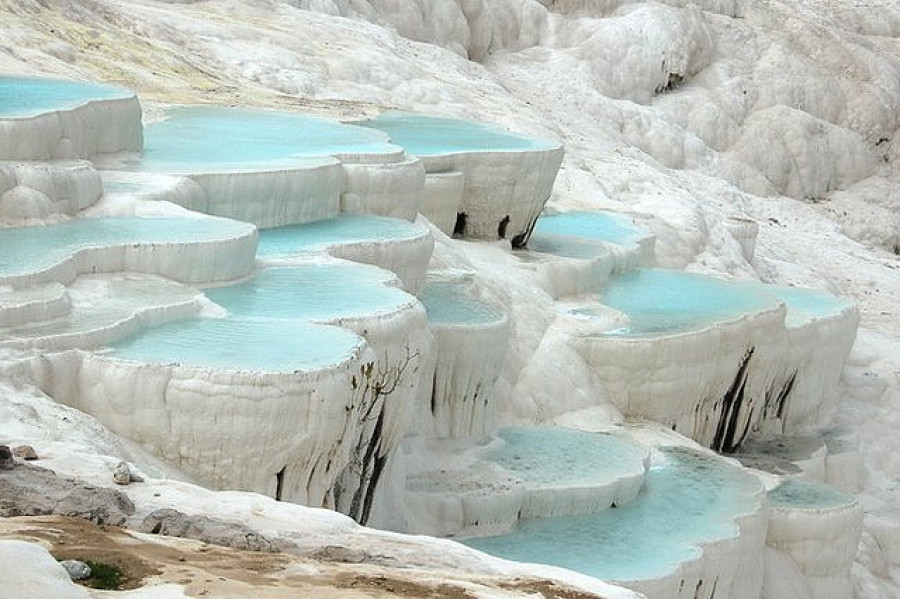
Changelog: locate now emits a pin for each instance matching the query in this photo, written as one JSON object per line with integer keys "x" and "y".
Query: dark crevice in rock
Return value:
{"x": 501, "y": 229}
{"x": 459, "y": 229}
{"x": 781, "y": 400}
{"x": 726, "y": 440}
{"x": 673, "y": 81}
{"x": 433, "y": 394}
{"x": 520, "y": 240}
{"x": 279, "y": 484}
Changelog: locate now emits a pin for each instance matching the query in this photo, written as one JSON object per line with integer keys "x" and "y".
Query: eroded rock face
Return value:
{"x": 172, "y": 523}
{"x": 32, "y": 491}
{"x": 6, "y": 458}
{"x": 25, "y": 452}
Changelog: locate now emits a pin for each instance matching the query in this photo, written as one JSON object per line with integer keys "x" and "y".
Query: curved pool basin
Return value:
{"x": 422, "y": 135}
{"x": 22, "y": 97}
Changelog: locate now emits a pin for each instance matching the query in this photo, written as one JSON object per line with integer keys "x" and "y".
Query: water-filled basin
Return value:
{"x": 548, "y": 456}
{"x": 26, "y": 96}
{"x": 316, "y": 292}
{"x": 292, "y": 240}
{"x": 661, "y": 301}
{"x": 196, "y": 139}
{"x": 596, "y": 226}
{"x": 26, "y": 250}
{"x": 422, "y": 135}
{"x": 448, "y": 303}
{"x": 691, "y": 499}
{"x": 797, "y": 493}
{"x": 232, "y": 343}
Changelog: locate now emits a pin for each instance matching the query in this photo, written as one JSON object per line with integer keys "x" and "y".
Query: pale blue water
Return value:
{"x": 805, "y": 494}
{"x": 200, "y": 138}
{"x": 422, "y": 135}
{"x": 299, "y": 239}
{"x": 312, "y": 292}
{"x": 804, "y": 304}
{"x": 274, "y": 345}
{"x": 692, "y": 499}
{"x": 560, "y": 457}
{"x": 448, "y": 303}
{"x": 566, "y": 247}
{"x": 665, "y": 301}
{"x": 29, "y": 249}
{"x": 26, "y": 96}
{"x": 599, "y": 226}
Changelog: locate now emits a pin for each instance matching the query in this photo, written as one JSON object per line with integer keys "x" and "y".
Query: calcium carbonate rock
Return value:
{"x": 33, "y": 491}
{"x": 76, "y": 570}
{"x": 172, "y": 523}
{"x": 30, "y": 572}
{"x": 122, "y": 475}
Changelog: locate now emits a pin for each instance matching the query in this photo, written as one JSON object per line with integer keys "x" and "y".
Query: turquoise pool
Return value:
{"x": 805, "y": 304}
{"x": 567, "y": 247}
{"x": 691, "y": 499}
{"x": 448, "y": 303}
{"x": 27, "y": 96}
{"x": 423, "y": 135}
{"x": 666, "y": 301}
{"x": 312, "y": 293}
{"x": 233, "y": 343}
{"x": 26, "y": 250}
{"x": 597, "y": 226}
{"x": 549, "y": 456}
{"x": 805, "y": 494}
{"x": 213, "y": 138}
{"x": 292, "y": 240}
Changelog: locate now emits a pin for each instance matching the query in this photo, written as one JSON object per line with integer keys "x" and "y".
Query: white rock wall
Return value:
{"x": 822, "y": 542}
{"x": 467, "y": 363}
{"x": 39, "y": 191}
{"x": 94, "y": 128}
{"x": 18, "y": 306}
{"x": 732, "y": 568}
{"x": 818, "y": 351}
{"x": 187, "y": 262}
{"x": 680, "y": 380}
{"x": 229, "y": 429}
{"x": 270, "y": 198}
{"x": 407, "y": 258}
{"x": 512, "y": 185}
{"x": 393, "y": 189}
{"x": 441, "y": 199}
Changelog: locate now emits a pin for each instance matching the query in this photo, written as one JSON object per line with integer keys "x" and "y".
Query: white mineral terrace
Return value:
{"x": 522, "y": 473}
{"x": 506, "y": 178}
{"x": 267, "y": 302}
{"x": 471, "y": 340}
{"x": 695, "y": 529}
{"x": 43, "y": 119}
{"x": 819, "y": 528}
{"x": 716, "y": 360}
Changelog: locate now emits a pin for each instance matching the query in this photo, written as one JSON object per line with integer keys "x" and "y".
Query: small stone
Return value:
{"x": 77, "y": 570}
{"x": 26, "y": 452}
{"x": 6, "y": 458}
{"x": 122, "y": 474}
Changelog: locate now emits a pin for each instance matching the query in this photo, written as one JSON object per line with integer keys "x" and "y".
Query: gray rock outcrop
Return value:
{"x": 30, "y": 490}
{"x": 173, "y": 523}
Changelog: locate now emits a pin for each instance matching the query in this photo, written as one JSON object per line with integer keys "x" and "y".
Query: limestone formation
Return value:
{"x": 172, "y": 523}
{"x": 33, "y": 491}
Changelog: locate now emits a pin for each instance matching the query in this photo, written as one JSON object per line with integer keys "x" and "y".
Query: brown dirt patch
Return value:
{"x": 401, "y": 587}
